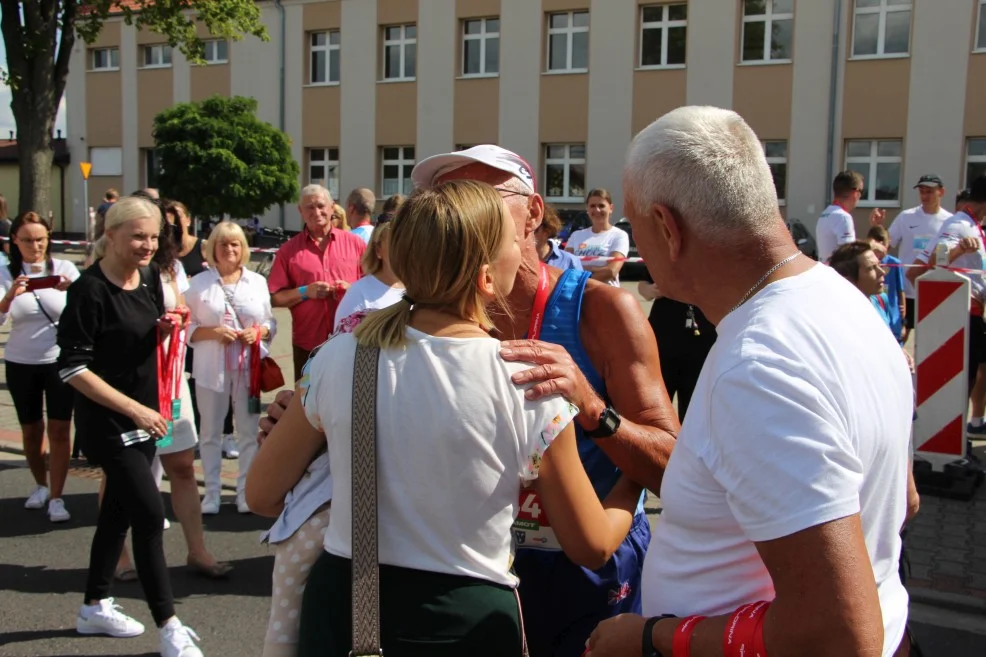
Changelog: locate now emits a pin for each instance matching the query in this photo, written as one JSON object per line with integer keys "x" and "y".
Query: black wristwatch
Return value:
{"x": 609, "y": 423}
{"x": 647, "y": 640}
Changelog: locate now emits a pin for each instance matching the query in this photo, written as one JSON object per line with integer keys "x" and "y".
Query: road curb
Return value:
{"x": 954, "y": 601}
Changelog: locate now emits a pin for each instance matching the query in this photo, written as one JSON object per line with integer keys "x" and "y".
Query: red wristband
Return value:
{"x": 759, "y": 646}
{"x": 741, "y": 628}
{"x": 682, "y": 645}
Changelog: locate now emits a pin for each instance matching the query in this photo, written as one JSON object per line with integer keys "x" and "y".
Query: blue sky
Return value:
{"x": 6, "y": 116}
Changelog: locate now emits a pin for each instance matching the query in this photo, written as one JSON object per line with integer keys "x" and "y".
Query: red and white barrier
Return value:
{"x": 941, "y": 353}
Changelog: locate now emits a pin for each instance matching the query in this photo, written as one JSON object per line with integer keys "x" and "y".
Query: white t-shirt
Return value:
{"x": 911, "y": 232}
{"x": 834, "y": 228}
{"x": 368, "y": 293}
{"x": 455, "y": 439}
{"x": 956, "y": 227}
{"x": 798, "y": 418}
{"x": 32, "y": 336}
{"x": 585, "y": 242}
{"x": 364, "y": 232}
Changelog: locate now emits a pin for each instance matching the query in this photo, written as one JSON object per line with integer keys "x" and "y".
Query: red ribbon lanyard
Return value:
{"x": 540, "y": 302}
{"x": 168, "y": 382}
{"x": 879, "y": 299}
{"x": 839, "y": 203}
{"x": 255, "y": 366}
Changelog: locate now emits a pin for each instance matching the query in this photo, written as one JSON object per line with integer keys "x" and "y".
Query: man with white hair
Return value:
{"x": 786, "y": 492}
{"x": 598, "y": 350}
{"x": 312, "y": 271}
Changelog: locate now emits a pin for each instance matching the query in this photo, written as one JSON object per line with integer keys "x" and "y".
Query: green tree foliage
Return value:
{"x": 219, "y": 159}
{"x": 39, "y": 35}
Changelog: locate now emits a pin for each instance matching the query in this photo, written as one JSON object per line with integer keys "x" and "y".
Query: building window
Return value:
{"x": 481, "y": 46}
{"x": 156, "y": 56}
{"x": 568, "y": 42}
{"x": 323, "y": 169}
{"x": 768, "y": 29}
{"x": 981, "y": 27}
{"x": 397, "y": 164}
{"x": 216, "y": 51}
{"x": 400, "y": 52}
{"x": 564, "y": 171}
{"x": 882, "y": 27}
{"x": 975, "y": 159}
{"x": 325, "y": 53}
{"x": 663, "y": 35}
{"x": 106, "y": 161}
{"x": 879, "y": 163}
{"x": 105, "y": 59}
{"x": 776, "y": 152}
{"x": 152, "y": 167}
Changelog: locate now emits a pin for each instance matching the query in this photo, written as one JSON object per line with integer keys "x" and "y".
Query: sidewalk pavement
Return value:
{"x": 946, "y": 543}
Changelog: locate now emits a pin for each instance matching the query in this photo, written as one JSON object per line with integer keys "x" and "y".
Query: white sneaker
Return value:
{"x": 177, "y": 640}
{"x": 105, "y": 618}
{"x": 241, "y": 503}
{"x": 229, "y": 448}
{"x": 57, "y": 511}
{"x": 167, "y": 524}
{"x": 38, "y": 498}
{"x": 210, "y": 504}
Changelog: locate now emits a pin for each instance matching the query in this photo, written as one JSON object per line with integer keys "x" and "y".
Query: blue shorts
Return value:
{"x": 562, "y": 603}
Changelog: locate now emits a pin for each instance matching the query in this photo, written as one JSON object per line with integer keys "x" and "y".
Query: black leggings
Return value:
{"x": 31, "y": 385}
{"x": 131, "y": 501}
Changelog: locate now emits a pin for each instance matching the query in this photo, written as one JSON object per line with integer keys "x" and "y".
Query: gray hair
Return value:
{"x": 317, "y": 190}
{"x": 362, "y": 201}
{"x": 708, "y": 165}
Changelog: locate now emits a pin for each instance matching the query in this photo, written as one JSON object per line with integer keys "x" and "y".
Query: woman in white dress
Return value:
{"x": 379, "y": 286}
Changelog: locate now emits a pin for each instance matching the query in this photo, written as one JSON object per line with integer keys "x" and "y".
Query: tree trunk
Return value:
{"x": 36, "y": 156}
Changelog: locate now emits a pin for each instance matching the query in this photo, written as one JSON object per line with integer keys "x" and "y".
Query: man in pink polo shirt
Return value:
{"x": 312, "y": 271}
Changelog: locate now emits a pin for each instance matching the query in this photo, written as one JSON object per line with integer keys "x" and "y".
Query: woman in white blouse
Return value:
{"x": 230, "y": 311}
{"x": 30, "y": 355}
{"x": 379, "y": 287}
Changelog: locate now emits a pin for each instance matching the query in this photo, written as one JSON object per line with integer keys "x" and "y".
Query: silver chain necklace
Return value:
{"x": 770, "y": 271}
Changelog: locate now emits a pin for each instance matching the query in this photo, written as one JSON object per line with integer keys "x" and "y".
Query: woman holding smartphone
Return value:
{"x": 33, "y": 286}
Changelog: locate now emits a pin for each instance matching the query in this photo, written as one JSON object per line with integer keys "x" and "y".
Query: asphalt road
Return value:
{"x": 43, "y": 570}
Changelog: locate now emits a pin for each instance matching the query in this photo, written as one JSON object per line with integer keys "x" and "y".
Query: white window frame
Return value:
{"x": 972, "y": 159}
{"x": 159, "y": 49}
{"x": 567, "y": 161}
{"x": 106, "y": 161}
{"x": 777, "y": 159}
{"x": 568, "y": 33}
{"x": 404, "y": 164}
{"x": 109, "y": 58}
{"x": 664, "y": 25}
{"x": 867, "y": 167}
{"x": 403, "y": 42}
{"x": 329, "y": 161}
{"x": 980, "y": 19}
{"x": 331, "y": 50}
{"x": 213, "y": 56}
{"x": 483, "y": 36}
{"x": 768, "y": 21}
{"x": 883, "y": 9}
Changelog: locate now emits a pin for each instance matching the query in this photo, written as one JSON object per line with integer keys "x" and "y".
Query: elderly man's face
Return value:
{"x": 516, "y": 203}
{"x": 316, "y": 212}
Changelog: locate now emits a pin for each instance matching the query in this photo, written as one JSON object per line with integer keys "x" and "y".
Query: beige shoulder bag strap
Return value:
{"x": 366, "y": 565}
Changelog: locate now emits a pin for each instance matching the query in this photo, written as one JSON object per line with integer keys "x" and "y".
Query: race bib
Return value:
{"x": 532, "y": 529}
{"x": 921, "y": 243}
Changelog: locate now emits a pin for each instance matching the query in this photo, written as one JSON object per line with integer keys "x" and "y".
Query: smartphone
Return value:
{"x": 42, "y": 282}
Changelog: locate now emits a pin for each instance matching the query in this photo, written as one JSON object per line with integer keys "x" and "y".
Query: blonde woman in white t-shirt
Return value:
{"x": 456, "y": 441}
{"x": 379, "y": 286}
{"x": 31, "y": 352}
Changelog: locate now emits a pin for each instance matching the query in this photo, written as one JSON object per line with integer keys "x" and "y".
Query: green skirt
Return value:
{"x": 422, "y": 614}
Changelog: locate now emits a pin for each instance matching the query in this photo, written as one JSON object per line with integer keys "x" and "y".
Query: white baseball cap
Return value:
{"x": 428, "y": 170}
